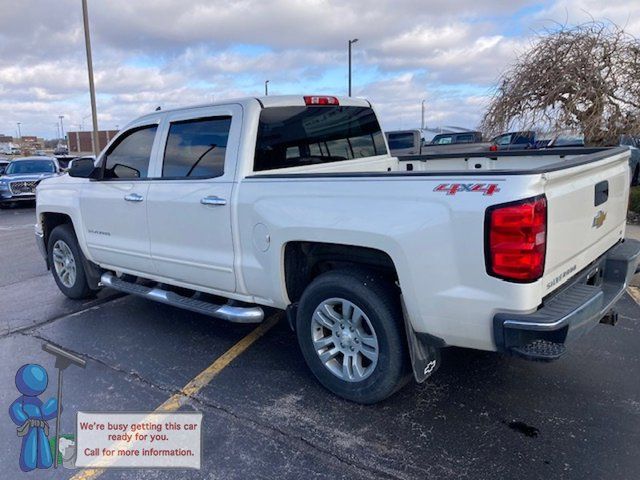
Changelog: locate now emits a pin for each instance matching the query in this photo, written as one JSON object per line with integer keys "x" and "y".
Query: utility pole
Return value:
{"x": 266, "y": 88}
{"x": 19, "y": 132}
{"x": 422, "y": 110}
{"x": 351, "y": 42}
{"x": 92, "y": 88}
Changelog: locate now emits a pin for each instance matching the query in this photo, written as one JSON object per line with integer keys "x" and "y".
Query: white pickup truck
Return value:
{"x": 294, "y": 203}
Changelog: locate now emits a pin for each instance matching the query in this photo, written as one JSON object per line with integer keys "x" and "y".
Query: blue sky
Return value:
{"x": 149, "y": 53}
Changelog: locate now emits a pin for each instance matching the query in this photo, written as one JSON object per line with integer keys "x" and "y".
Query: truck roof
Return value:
{"x": 267, "y": 101}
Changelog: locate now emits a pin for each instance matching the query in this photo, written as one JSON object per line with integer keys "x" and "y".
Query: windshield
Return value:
{"x": 400, "y": 140}
{"x": 31, "y": 166}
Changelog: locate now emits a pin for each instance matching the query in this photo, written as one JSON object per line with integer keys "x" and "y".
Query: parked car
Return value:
{"x": 410, "y": 142}
{"x": 61, "y": 150}
{"x": 458, "y": 142}
{"x": 404, "y": 142}
{"x": 513, "y": 141}
{"x": 3, "y": 165}
{"x": 633, "y": 143}
{"x": 22, "y": 175}
{"x": 455, "y": 138}
{"x": 294, "y": 203}
{"x": 566, "y": 141}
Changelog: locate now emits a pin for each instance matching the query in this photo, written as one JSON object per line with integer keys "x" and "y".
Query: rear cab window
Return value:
{"x": 311, "y": 135}
{"x": 401, "y": 140}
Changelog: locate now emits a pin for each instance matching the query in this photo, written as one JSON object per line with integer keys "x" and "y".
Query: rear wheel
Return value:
{"x": 66, "y": 261}
{"x": 349, "y": 327}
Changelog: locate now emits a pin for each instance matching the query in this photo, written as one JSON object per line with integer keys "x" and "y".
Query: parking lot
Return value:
{"x": 481, "y": 416}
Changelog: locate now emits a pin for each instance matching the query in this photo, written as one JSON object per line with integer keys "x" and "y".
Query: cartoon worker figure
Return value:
{"x": 31, "y": 415}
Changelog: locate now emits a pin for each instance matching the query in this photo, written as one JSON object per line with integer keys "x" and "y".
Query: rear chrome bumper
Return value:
{"x": 573, "y": 311}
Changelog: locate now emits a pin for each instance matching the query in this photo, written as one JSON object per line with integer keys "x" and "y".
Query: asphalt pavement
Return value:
{"x": 481, "y": 416}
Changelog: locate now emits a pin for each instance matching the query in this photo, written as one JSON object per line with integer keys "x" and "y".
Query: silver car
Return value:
{"x": 22, "y": 175}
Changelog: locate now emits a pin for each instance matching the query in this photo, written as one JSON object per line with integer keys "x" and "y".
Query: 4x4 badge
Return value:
{"x": 599, "y": 219}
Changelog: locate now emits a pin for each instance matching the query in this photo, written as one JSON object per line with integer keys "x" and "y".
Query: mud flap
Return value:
{"x": 425, "y": 355}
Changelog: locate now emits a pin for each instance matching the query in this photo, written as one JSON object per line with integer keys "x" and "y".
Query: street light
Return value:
{"x": 351, "y": 42}
{"x": 92, "y": 88}
{"x": 19, "y": 133}
{"x": 422, "y": 109}
{"x": 266, "y": 87}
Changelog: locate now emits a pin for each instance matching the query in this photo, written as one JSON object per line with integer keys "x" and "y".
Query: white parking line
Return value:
{"x": 200, "y": 381}
{"x": 16, "y": 227}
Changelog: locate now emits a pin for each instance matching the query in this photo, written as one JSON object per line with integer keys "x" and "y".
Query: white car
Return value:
{"x": 294, "y": 203}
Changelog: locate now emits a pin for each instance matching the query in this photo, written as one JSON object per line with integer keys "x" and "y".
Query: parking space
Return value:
{"x": 481, "y": 415}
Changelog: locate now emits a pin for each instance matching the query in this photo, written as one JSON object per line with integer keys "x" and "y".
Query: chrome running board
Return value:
{"x": 227, "y": 312}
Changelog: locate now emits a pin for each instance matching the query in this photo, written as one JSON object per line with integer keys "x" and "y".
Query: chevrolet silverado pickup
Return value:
{"x": 294, "y": 203}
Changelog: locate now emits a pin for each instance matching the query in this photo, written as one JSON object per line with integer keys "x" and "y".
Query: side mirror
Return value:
{"x": 83, "y": 168}
{"x": 2, "y": 170}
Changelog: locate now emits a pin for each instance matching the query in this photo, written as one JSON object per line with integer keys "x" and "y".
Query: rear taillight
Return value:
{"x": 317, "y": 100}
{"x": 493, "y": 148}
{"x": 516, "y": 240}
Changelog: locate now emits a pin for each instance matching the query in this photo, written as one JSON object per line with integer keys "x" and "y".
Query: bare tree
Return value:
{"x": 584, "y": 78}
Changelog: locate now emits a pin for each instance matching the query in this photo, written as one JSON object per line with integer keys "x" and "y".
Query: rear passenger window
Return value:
{"x": 444, "y": 140}
{"x": 464, "y": 139}
{"x": 196, "y": 148}
{"x": 129, "y": 157}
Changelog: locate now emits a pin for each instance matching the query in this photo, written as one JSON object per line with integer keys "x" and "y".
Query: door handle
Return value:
{"x": 133, "y": 197}
{"x": 213, "y": 200}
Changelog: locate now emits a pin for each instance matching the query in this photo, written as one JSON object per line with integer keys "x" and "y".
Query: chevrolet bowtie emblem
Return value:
{"x": 599, "y": 219}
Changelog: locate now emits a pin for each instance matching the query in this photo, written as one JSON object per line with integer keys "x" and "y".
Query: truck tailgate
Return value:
{"x": 586, "y": 215}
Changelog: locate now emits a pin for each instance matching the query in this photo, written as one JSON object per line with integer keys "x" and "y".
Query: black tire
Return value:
{"x": 380, "y": 302}
{"x": 5, "y": 205}
{"x": 79, "y": 289}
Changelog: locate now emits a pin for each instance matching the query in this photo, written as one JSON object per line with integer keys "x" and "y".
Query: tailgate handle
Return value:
{"x": 602, "y": 193}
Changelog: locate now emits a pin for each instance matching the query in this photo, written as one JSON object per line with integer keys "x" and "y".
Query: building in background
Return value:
{"x": 81, "y": 142}
{"x": 6, "y": 138}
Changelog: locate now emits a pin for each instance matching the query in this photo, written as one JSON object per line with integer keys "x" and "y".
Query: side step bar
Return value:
{"x": 227, "y": 312}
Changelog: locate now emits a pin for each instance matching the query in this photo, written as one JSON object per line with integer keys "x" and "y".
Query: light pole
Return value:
{"x": 92, "y": 88}
{"x": 351, "y": 42}
{"x": 61, "y": 126}
{"x": 266, "y": 88}
{"x": 422, "y": 111}
{"x": 19, "y": 133}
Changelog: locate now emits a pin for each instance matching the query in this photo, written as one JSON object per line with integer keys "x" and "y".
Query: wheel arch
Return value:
{"x": 305, "y": 260}
{"x": 50, "y": 220}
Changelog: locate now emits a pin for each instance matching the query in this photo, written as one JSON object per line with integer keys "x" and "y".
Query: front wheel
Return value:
{"x": 350, "y": 330}
{"x": 65, "y": 259}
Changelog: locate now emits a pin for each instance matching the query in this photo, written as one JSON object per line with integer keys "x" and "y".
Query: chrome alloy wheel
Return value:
{"x": 64, "y": 263}
{"x": 344, "y": 339}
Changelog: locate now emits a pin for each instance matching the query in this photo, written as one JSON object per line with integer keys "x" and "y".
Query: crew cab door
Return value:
{"x": 114, "y": 209}
{"x": 189, "y": 208}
